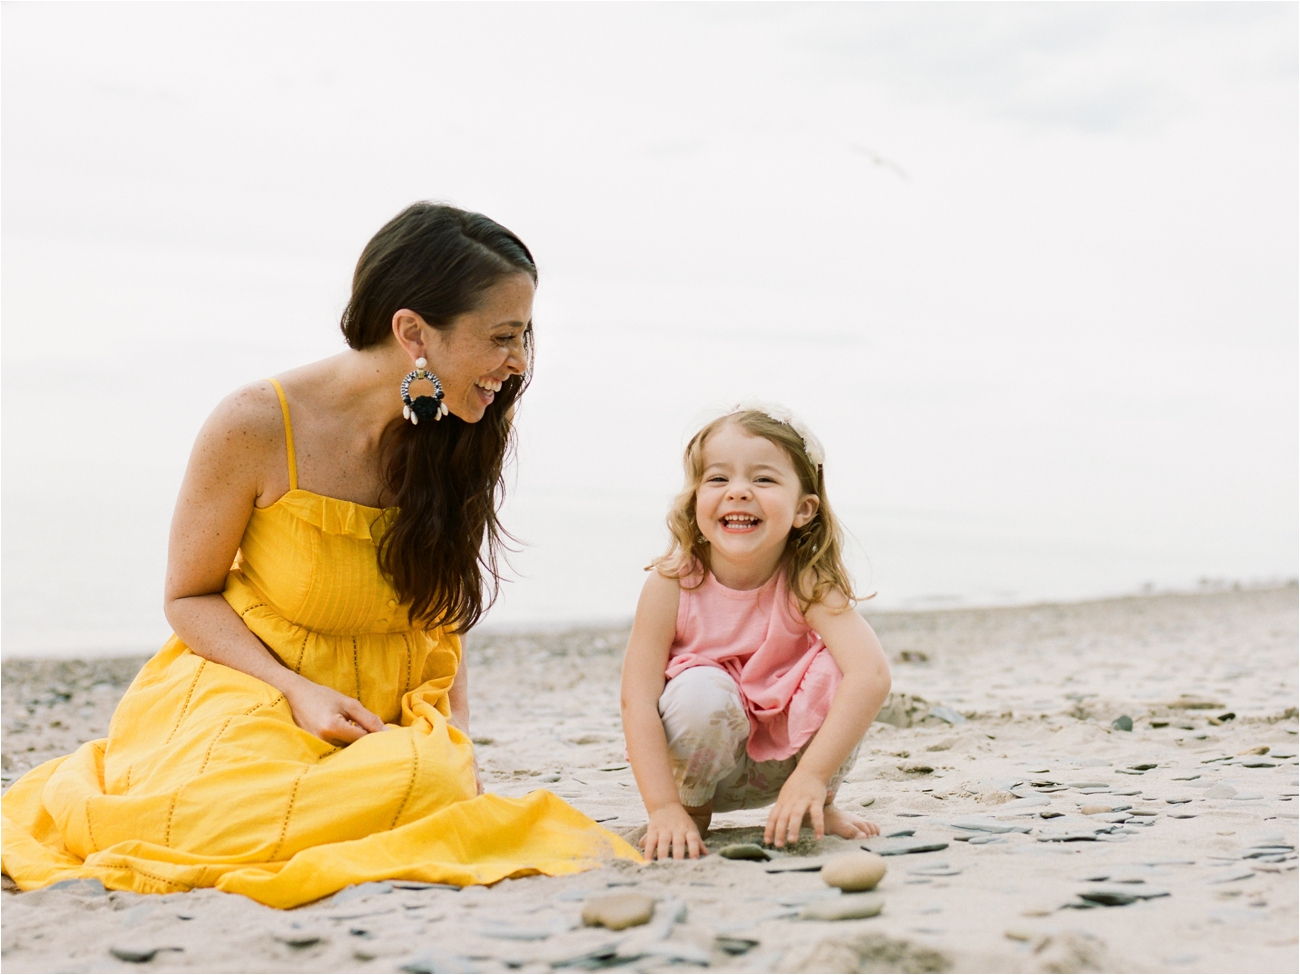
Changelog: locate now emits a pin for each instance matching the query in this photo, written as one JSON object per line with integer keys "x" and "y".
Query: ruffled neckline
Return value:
{"x": 334, "y": 515}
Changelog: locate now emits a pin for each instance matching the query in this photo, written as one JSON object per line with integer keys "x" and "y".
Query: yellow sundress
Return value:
{"x": 205, "y": 780}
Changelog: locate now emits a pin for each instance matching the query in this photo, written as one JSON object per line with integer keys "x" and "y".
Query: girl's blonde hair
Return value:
{"x": 814, "y": 556}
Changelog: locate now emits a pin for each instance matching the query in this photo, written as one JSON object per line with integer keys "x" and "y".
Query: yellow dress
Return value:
{"x": 205, "y": 780}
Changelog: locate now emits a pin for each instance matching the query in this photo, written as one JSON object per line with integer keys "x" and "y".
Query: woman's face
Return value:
{"x": 482, "y": 348}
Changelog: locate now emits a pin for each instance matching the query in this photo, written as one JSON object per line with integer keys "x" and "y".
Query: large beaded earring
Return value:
{"x": 423, "y": 407}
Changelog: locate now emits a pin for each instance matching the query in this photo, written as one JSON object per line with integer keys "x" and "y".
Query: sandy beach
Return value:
{"x": 1054, "y": 840}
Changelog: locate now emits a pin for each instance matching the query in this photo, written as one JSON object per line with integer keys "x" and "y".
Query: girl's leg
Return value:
{"x": 707, "y": 730}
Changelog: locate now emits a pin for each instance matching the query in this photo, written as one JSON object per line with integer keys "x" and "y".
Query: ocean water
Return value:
{"x": 1031, "y": 276}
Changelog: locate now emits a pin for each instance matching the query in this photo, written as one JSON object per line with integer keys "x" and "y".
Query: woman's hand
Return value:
{"x": 672, "y": 833}
{"x": 332, "y": 717}
{"x": 803, "y": 794}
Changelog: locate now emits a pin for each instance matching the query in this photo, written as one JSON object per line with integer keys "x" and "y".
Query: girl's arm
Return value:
{"x": 671, "y": 831}
{"x": 222, "y": 483}
{"x": 858, "y": 699}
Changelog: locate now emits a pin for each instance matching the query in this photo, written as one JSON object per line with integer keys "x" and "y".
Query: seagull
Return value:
{"x": 878, "y": 159}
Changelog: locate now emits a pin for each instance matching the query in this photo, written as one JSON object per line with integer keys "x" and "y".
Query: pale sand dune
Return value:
{"x": 1040, "y": 686}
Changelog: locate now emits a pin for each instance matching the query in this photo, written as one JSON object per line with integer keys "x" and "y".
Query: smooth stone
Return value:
{"x": 900, "y": 832}
{"x": 854, "y": 871}
{"x": 1257, "y": 750}
{"x": 618, "y": 911}
{"x": 846, "y": 908}
{"x": 1228, "y": 876}
{"x": 1093, "y": 790}
{"x": 299, "y": 939}
{"x": 1119, "y": 896}
{"x": 512, "y": 933}
{"x": 988, "y": 826}
{"x": 734, "y": 945}
{"x": 437, "y": 963}
{"x": 1182, "y": 815}
{"x": 1093, "y": 808}
{"x": 1258, "y": 763}
{"x": 1122, "y": 723}
{"x": 1088, "y": 785}
{"x": 137, "y": 954}
{"x": 744, "y": 851}
{"x": 795, "y": 865}
{"x": 1050, "y": 814}
{"x": 900, "y": 847}
{"x": 1247, "y": 795}
{"x": 1220, "y": 791}
{"x": 1178, "y": 800}
{"x": 1126, "y": 792}
{"x": 867, "y": 801}
{"x": 1144, "y": 766}
{"x": 984, "y": 838}
{"x": 677, "y": 951}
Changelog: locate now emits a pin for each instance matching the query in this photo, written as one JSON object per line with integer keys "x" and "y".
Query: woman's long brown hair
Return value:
{"x": 442, "y": 550}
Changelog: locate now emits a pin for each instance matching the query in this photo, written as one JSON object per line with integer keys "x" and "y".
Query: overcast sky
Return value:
{"x": 1029, "y": 270}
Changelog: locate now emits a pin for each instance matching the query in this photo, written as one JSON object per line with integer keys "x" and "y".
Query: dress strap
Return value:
{"x": 288, "y": 434}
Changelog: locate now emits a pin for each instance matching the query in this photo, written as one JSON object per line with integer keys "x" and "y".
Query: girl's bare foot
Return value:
{"x": 840, "y": 823}
{"x": 703, "y": 815}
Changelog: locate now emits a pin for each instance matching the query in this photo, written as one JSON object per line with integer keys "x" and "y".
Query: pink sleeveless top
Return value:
{"x": 786, "y": 675}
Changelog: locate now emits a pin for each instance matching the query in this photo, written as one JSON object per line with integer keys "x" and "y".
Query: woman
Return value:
{"x": 307, "y": 725}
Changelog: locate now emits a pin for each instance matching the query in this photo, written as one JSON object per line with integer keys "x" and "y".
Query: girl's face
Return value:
{"x": 482, "y": 348}
{"x": 749, "y": 498}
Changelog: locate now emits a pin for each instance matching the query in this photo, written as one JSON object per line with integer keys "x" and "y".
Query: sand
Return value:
{"x": 1038, "y": 689}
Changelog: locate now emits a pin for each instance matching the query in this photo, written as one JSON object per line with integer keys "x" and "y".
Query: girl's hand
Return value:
{"x": 332, "y": 717}
{"x": 803, "y": 794}
{"x": 672, "y": 834}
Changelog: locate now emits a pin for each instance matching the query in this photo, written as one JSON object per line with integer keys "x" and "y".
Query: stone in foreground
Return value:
{"x": 846, "y": 908}
{"x": 854, "y": 871}
{"x": 618, "y": 911}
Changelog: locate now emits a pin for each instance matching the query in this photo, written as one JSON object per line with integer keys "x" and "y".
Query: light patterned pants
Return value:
{"x": 708, "y": 731}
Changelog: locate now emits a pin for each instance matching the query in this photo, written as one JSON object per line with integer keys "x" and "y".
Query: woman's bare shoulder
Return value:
{"x": 242, "y": 432}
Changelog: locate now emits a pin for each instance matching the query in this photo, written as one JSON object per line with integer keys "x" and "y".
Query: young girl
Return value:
{"x": 749, "y": 677}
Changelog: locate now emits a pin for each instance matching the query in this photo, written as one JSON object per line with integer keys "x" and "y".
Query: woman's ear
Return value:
{"x": 409, "y": 330}
{"x": 806, "y": 510}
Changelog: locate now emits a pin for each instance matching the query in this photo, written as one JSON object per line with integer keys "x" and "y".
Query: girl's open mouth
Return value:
{"x": 739, "y": 523}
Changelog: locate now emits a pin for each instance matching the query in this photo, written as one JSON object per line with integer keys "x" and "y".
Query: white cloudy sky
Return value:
{"x": 1030, "y": 271}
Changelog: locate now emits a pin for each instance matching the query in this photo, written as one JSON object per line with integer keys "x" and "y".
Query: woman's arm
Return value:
{"x": 857, "y": 652}
{"x": 222, "y": 484}
{"x": 671, "y": 831}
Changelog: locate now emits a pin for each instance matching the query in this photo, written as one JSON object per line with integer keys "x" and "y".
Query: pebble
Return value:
{"x": 1257, "y": 750}
{"x": 1144, "y": 766}
{"x": 867, "y": 801}
{"x": 989, "y": 826}
{"x": 846, "y": 908}
{"x": 137, "y": 954}
{"x": 436, "y": 963}
{"x": 1122, "y": 723}
{"x": 1093, "y": 808}
{"x": 744, "y": 851}
{"x": 1088, "y": 785}
{"x": 1178, "y": 800}
{"x": 1050, "y": 814}
{"x": 1220, "y": 791}
{"x": 618, "y": 911}
{"x": 1182, "y": 815}
{"x": 734, "y": 945}
{"x": 854, "y": 871}
{"x": 795, "y": 865}
{"x": 1119, "y": 896}
{"x": 900, "y": 847}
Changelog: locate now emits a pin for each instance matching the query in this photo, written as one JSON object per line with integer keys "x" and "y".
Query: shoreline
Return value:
{"x": 1030, "y": 695}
